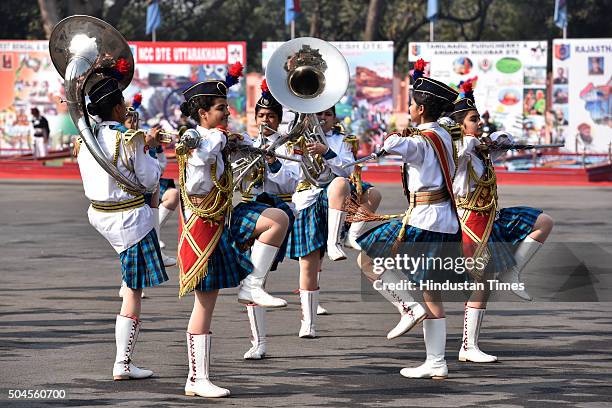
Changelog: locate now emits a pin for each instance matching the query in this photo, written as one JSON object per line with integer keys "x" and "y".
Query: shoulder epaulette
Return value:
{"x": 130, "y": 135}
{"x": 455, "y": 131}
{"x": 411, "y": 131}
{"x": 338, "y": 129}
{"x": 350, "y": 138}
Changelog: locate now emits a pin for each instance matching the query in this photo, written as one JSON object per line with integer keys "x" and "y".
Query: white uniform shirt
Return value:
{"x": 468, "y": 155}
{"x": 425, "y": 174}
{"x": 344, "y": 154}
{"x": 125, "y": 228}
{"x": 198, "y": 178}
{"x": 285, "y": 180}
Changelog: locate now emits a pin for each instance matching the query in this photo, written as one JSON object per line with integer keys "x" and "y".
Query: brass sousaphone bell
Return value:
{"x": 308, "y": 75}
{"x": 81, "y": 48}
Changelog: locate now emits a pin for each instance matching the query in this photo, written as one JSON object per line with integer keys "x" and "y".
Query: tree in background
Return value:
{"x": 399, "y": 21}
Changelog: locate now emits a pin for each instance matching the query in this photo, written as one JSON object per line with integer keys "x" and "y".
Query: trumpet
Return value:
{"x": 166, "y": 137}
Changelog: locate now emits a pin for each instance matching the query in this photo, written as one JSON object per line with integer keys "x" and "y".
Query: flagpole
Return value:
{"x": 293, "y": 28}
{"x": 431, "y": 30}
{"x": 153, "y": 36}
{"x": 565, "y": 32}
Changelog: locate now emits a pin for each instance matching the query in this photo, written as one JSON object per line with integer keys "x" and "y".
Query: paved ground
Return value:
{"x": 58, "y": 300}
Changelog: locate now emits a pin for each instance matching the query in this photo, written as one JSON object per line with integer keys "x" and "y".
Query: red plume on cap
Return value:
{"x": 466, "y": 88}
{"x": 137, "y": 101}
{"x": 419, "y": 69}
{"x": 234, "y": 72}
{"x": 122, "y": 66}
{"x": 265, "y": 91}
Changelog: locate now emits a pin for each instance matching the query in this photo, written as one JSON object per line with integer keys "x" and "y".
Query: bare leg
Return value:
{"x": 371, "y": 199}
{"x": 170, "y": 199}
{"x": 203, "y": 308}
{"x": 309, "y": 268}
{"x": 433, "y": 304}
{"x": 542, "y": 228}
{"x": 131, "y": 303}
{"x": 271, "y": 227}
{"x": 337, "y": 193}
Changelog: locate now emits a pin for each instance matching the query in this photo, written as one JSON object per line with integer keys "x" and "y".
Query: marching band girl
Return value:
{"x": 318, "y": 225}
{"x": 506, "y": 238}
{"x": 269, "y": 193}
{"x": 430, "y": 223}
{"x": 208, "y": 259}
{"x": 121, "y": 215}
{"x": 363, "y": 193}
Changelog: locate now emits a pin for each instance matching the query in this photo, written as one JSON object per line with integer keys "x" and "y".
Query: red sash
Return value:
{"x": 476, "y": 227}
{"x": 437, "y": 144}
{"x": 198, "y": 238}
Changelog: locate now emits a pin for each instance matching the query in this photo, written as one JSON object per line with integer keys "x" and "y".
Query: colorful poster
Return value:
{"x": 29, "y": 80}
{"x": 511, "y": 84}
{"x": 366, "y": 108}
{"x": 162, "y": 69}
{"x": 582, "y": 93}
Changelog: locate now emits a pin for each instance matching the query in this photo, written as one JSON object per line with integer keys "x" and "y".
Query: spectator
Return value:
{"x": 41, "y": 133}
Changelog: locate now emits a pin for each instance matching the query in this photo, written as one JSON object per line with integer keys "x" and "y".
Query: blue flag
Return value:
{"x": 560, "y": 13}
{"x": 432, "y": 9}
{"x": 153, "y": 17}
{"x": 292, "y": 9}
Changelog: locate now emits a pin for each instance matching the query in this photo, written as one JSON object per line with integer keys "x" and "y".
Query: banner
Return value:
{"x": 29, "y": 80}
{"x": 511, "y": 75}
{"x": 366, "y": 108}
{"x": 162, "y": 69}
{"x": 582, "y": 93}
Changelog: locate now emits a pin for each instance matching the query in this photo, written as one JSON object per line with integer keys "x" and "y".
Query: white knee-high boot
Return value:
{"x": 335, "y": 222}
{"x": 126, "y": 334}
{"x": 412, "y": 313}
{"x": 472, "y": 322}
{"x": 167, "y": 260}
{"x": 434, "y": 334}
{"x": 355, "y": 230}
{"x": 257, "y": 320}
{"x": 524, "y": 253}
{"x": 320, "y": 309}
{"x": 309, "y": 300}
{"x": 198, "y": 382}
{"x": 164, "y": 214}
{"x": 252, "y": 287}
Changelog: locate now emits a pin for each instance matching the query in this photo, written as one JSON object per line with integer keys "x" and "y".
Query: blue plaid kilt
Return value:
{"x": 244, "y": 218}
{"x": 379, "y": 241}
{"x": 227, "y": 265}
{"x": 164, "y": 185}
{"x": 365, "y": 186}
{"x": 511, "y": 226}
{"x": 141, "y": 264}
{"x": 310, "y": 229}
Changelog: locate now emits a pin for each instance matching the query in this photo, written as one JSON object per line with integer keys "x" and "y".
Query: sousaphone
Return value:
{"x": 81, "y": 48}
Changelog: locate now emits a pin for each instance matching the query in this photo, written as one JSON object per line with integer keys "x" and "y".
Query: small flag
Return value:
{"x": 560, "y": 13}
{"x": 153, "y": 17}
{"x": 432, "y": 9}
{"x": 292, "y": 9}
